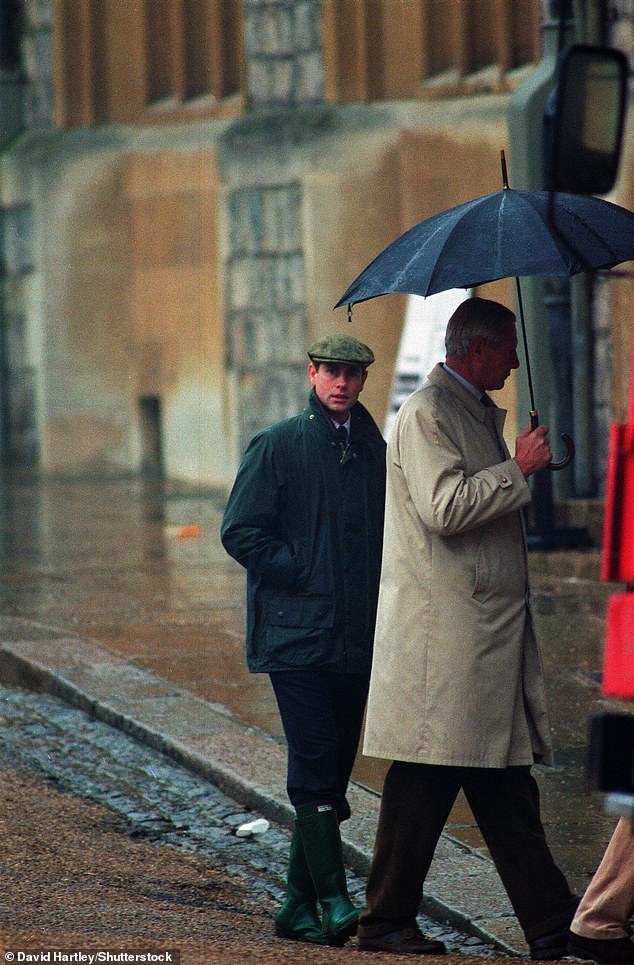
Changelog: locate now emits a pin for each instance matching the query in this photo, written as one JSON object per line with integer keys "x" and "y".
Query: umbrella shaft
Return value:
{"x": 525, "y": 342}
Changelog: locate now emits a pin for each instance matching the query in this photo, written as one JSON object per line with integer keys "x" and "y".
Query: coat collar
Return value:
{"x": 438, "y": 376}
{"x": 363, "y": 428}
{"x": 315, "y": 408}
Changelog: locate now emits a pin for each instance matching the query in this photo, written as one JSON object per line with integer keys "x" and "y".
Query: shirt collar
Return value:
{"x": 468, "y": 386}
{"x": 345, "y": 424}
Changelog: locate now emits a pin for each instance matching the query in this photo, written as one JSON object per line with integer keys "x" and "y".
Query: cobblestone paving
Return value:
{"x": 159, "y": 800}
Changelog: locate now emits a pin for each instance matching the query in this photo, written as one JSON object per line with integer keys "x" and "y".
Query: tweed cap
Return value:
{"x": 341, "y": 348}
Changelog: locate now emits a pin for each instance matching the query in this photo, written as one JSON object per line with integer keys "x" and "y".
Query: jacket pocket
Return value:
{"x": 298, "y": 629}
{"x": 300, "y": 611}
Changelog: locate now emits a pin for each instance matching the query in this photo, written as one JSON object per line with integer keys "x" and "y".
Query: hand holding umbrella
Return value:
{"x": 532, "y": 450}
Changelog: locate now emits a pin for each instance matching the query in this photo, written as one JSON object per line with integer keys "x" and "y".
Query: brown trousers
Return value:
{"x": 415, "y": 805}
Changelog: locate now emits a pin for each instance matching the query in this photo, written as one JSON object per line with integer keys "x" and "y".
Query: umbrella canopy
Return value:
{"x": 510, "y": 233}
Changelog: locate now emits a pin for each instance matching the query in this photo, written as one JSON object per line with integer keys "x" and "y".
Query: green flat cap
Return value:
{"x": 341, "y": 348}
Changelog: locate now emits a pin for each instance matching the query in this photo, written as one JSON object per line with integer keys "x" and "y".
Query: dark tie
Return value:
{"x": 342, "y": 434}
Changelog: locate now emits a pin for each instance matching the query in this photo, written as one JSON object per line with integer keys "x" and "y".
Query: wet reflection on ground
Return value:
{"x": 139, "y": 568}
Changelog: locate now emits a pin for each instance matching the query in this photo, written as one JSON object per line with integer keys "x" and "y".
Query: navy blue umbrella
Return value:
{"x": 510, "y": 233}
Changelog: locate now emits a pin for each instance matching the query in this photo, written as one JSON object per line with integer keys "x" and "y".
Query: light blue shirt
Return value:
{"x": 468, "y": 386}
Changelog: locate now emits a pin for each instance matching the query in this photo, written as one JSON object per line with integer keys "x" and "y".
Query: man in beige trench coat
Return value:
{"x": 457, "y": 693}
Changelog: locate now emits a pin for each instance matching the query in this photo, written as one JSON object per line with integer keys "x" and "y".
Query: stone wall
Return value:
{"x": 37, "y": 64}
{"x": 174, "y": 271}
{"x": 18, "y": 374}
{"x": 26, "y": 103}
{"x": 266, "y": 310}
{"x": 284, "y": 57}
{"x": 267, "y": 330}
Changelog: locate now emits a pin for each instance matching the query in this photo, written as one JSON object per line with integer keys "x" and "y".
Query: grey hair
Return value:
{"x": 476, "y": 318}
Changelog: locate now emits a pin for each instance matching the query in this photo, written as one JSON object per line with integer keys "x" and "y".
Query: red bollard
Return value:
{"x": 618, "y": 527}
{"x": 618, "y": 556}
{"x": 618, "y": 660}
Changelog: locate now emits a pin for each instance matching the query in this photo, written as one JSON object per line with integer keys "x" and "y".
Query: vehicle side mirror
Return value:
{"x": 587, "y": 126}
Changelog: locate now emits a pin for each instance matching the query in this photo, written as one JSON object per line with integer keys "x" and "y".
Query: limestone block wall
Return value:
{"x": 174, "y": 279}
{"x": 37, "y": 63}
{"x": 177, "y": 330}
{"x": 265, "y": 299}
{"x": 265, "y": 303}
{"x": 83, "y": 237}
{"x": 123, "y": 313}
{"x": 18, "y": 356}
{"x": 284, "y": 52}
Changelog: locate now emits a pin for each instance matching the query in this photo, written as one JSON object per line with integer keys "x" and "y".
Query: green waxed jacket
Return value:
{"x": 306, "y": 521}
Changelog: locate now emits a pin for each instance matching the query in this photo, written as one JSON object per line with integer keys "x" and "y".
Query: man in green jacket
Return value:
{"x": 305, "y": 518}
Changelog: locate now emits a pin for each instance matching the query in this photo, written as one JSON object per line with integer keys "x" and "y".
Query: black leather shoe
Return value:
{"x": 601, "y": 949}
{"x": 550, "y": 947}
{"x": 408, "y": 941}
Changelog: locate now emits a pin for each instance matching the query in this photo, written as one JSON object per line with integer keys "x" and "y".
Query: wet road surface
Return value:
{"x": 116, "y": 562}
{"x": 78, "y": 873}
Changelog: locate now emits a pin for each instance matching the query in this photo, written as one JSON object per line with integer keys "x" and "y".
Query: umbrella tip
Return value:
{"x": 505, "y": 177}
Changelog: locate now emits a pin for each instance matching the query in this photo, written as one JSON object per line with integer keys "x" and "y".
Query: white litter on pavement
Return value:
{"x": 258, "y": 826}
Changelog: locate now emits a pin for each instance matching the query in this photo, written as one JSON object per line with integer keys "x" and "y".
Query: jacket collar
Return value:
{"x": 358, "y": 414}
{"x": 438, "y": 376}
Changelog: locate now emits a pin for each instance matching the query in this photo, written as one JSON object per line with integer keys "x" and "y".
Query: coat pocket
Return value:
{"x": 300, "y": 611}
{"x": 499, "y": 567}
{"x": 298, "y": 629}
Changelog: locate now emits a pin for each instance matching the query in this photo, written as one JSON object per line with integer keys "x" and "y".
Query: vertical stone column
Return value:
{"x": 284, "y": 55}
{"x": 266, "y": 310}
{"x": 26, "y": 104}
{"x": 265, "y": 291}
{"x": 37, "y": 63}
{"x": 18, "y": 376}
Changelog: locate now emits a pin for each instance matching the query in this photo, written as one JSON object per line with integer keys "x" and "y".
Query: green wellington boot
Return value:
{"x": 297, "y": 919}
{"x": 319, "y": 828}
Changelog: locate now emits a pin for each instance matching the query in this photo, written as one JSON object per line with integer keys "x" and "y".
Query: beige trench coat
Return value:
{"x": 457, "y": 676}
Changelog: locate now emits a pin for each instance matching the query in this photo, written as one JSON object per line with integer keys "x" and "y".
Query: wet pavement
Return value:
{"x": 162, "y": 802}
{"x": 119, "y": 588}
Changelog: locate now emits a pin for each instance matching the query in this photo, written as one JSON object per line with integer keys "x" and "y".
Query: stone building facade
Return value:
{"x": 188, "y": 186}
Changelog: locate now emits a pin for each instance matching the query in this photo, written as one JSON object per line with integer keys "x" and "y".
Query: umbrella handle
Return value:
{"x": 565, "y": 438}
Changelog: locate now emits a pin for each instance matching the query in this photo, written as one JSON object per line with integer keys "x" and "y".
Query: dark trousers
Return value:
{"x": 415, "y": 805}
{"x": 322, "y": 714}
